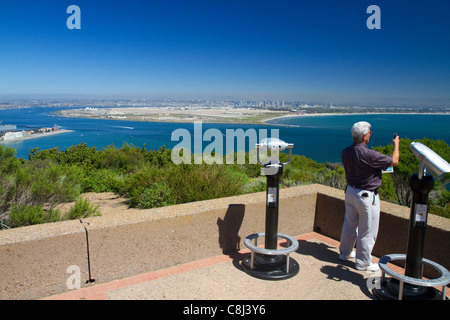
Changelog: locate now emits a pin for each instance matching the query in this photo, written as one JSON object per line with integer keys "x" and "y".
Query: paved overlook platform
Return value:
{"x": 322, "y": 276}
{"x": 193, "y": 251}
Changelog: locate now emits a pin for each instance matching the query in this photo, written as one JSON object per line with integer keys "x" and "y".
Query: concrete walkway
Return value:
{"x": 322, "y": 276}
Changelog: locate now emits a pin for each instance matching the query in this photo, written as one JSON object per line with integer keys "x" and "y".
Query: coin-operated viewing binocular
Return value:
{"x": 274, "y": 145}
{"x": 429, "y": 160}
{"x": 271, "y": 262}
{"x": 411, "y": 285}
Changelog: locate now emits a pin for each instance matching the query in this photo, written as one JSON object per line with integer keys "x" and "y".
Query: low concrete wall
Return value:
{"x": 34, "y": 260}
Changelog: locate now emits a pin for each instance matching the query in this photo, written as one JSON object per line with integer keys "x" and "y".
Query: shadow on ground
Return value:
{"x": 343, "y": 271}
{"x": 335, "y": 269}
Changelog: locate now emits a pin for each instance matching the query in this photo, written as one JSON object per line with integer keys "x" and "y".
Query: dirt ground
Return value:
{"x": 107, "y": 202}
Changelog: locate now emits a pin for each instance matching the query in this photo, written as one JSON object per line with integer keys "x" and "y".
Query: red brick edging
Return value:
{"x": 98, "y": 291}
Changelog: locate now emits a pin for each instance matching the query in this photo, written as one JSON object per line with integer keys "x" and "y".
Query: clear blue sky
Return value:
{"x": 317, "y": 49}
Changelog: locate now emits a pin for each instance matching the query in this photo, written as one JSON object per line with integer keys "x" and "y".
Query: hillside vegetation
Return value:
{"x": 31, "y": 189}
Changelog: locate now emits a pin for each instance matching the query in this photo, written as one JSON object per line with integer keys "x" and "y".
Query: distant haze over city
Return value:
{"x": 22, "y": 100}
{"x": 343, "y": 53}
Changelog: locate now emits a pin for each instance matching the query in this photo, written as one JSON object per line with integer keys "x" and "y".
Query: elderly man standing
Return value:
{"x": 363, "y": 168}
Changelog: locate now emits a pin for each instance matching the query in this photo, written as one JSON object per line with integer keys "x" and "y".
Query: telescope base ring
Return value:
{"x": 407, "y": 288}
{"x": 389, "y": 290}
{"x": 270, "y": 267}
{"x": 270, "y": 264}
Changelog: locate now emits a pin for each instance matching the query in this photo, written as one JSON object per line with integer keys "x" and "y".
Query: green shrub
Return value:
{"x": 202, "y": 182}
{"x": 9, "y": 162}
{"x": 126, "y": 159}
{"x": 256, "y": 185}
{"x": 104, "y": 180}
{"x": 82, "y": 209}
{"x": 56, "y": 184}
{"x": 26, "y": 215}
{"x": 159, "y": 194}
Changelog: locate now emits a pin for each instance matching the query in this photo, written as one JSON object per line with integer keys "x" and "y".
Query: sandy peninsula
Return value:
{"x": 203, "y": 114}
{"x": 36, "y": 135}
{"x": 178, "y": 114}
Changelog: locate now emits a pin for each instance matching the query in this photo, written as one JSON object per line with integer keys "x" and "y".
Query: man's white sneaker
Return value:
{"x": 372, "y": 267}
{"x": 343, "y": 257}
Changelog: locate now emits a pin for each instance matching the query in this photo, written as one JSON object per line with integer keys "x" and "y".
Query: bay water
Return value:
{"x": 320, "y": 137}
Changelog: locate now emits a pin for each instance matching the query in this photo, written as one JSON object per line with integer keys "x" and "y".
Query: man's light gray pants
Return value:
{"x": 362, "y": 217}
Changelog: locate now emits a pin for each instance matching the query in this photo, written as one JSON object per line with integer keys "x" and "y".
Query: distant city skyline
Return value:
{"x": 319, "y": 51}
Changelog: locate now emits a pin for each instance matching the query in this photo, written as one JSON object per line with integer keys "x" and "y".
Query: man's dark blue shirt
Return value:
{"x": 363, "y": 166}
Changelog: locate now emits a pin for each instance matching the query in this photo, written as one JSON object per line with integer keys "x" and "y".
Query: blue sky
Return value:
{"x": 290, "y": 49}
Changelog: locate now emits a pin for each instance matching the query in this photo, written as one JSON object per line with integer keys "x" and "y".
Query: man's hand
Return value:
{"x": 396, "y": 153}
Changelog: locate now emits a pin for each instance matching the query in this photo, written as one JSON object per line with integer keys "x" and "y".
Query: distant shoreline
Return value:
{"x": 353, "y": 114}
{"x": 36, "y": 135}
{"x": 205, "y": 115}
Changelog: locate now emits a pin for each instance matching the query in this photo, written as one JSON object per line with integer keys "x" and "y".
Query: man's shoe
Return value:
{"x": 372, "y": 267}
{"x": 346, "y": 257}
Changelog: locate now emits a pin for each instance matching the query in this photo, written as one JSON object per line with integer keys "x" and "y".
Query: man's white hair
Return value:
{"x": 359, "y": 129}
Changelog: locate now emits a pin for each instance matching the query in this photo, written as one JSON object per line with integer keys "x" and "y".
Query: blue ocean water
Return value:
{"x": 321, "y": 138}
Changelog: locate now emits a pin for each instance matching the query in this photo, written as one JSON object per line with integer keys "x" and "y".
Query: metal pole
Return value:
{"x": 417, "y": 223}
{"x": 273, "y": 197}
